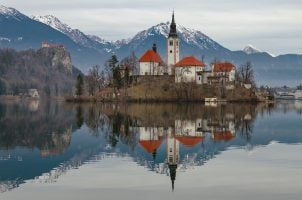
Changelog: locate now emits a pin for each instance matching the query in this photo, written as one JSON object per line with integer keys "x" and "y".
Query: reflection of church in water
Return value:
{"x": 184, "y": 134}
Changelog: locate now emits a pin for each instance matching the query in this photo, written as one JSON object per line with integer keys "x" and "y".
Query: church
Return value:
{"x": 151, "y": 62}
{"x": 188, "y": 69}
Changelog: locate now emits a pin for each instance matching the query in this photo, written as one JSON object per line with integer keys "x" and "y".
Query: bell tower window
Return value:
{"x": 171, "y": 42}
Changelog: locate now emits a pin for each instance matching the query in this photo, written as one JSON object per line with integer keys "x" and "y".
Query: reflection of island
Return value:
{"x": 177, "y": 129}
{"x": 165, "y": 138}
{"x": 189, "y": 133}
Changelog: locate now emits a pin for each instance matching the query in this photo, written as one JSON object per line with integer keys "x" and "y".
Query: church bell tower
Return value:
{"x": 172, "y": 46}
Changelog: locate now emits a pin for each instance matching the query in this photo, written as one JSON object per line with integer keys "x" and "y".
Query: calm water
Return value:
{"x": 150, "y": 151}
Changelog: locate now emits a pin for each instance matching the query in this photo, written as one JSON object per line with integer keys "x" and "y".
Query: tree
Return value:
{"x": 56, "y": 89}
{"x": 246, "y": 73}
{"x": 79, "y": 85}
{"x": 47, "y": 90}
{"x": 2, "y": 87}
{"x": 93, "y": 79}
{"x": 79, "y": 116}
{"x": 117, "y": 79}
{"x": 110, "y": 66}
{"x": 131, "y": 62}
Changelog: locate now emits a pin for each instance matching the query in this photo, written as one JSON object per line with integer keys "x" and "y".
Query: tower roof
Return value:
{"x": 189, "y": 62}
{"x": 173, "y": 32}
{"x": 172, "y": 169}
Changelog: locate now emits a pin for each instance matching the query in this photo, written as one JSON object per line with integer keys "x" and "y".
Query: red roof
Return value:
{"x": 226, "y": 136}
{"x": 223, "y": 67}
{"x": 150, "y": 145}
{"x": 190, "y": 61}
{"x": 151, "y": 56}
{"x": 189, "y": 141}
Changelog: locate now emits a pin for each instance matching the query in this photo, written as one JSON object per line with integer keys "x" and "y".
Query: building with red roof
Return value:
{"x": 223, "y": 136}
{"x": 150, "y": 145}
{"x": 222, "y": 72}
{"x": 151, "y": 63}
{"x": 189, "y": 132}
{"x": 150, "y": 138}
{"x": 189, "y": 69}
{"x": 189, "y": 141}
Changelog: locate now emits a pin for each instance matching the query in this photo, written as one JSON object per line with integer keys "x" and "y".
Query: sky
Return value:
{"x": 274, "y": 26}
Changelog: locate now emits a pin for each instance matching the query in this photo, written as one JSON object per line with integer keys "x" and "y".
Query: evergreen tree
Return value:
{"x": 113, "y": 70}
{"x": 117, "y": 79}
{"x": 79, "y": 85}
{"x": 2, "y": 87}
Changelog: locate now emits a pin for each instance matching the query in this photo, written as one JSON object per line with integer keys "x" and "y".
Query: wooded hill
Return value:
{"x": 47, "y": 69}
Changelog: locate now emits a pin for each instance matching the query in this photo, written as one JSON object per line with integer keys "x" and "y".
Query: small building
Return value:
{"x": 48, "y": 45}
{"x": 151, "y": 63}
{"x": 189, "y": 69}
{"x": 222, "y": 72}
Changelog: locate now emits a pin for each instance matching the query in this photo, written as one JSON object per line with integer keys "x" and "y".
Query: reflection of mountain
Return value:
{"x": 29, "y": 130}
{"x": 165, "y": 138}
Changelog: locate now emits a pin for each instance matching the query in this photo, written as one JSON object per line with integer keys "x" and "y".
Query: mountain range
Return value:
{"x": 21, "y": 32}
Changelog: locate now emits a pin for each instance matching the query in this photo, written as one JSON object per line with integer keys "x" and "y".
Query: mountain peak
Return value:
{"x": 250, "y": 49}
{"x": 189, "y": 36}
{"x": 8, "y": 12}
{"x": 54, "y": 22}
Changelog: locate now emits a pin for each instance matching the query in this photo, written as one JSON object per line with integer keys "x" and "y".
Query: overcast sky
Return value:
{"x": 270, "y": 25}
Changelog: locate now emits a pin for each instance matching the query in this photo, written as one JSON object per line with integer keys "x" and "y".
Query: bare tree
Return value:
{"x": 246, "y": 73}
{"x": 93, "y": 80}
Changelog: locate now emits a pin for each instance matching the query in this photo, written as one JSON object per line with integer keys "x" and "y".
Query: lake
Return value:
{"x": 53, "y": 150}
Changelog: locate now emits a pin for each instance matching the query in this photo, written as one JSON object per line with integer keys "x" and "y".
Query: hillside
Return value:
{"x": 47, "y": 69}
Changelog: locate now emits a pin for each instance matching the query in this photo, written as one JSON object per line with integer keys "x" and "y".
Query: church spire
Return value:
{"x": 172, "y": 169}
{"x": 173, "y": 32}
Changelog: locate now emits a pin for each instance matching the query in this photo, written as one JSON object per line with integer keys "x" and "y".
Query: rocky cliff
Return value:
{"x": 48, "y": 69}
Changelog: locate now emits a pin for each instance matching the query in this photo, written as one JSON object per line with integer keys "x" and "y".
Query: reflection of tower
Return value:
{"x": 172, "y": 156}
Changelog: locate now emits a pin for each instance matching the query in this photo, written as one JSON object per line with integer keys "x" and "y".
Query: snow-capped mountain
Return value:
{"x": 76, "y": 35}
{"x": 192, "y": 42}
{"x": 21, "y": 32}
{"x": 11, "y": 13}
{"x": 54, "y": 22}
{"x": 250, "y": 49}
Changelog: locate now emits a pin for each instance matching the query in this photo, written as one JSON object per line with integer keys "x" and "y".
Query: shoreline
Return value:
{"x": 84, "y": 99}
